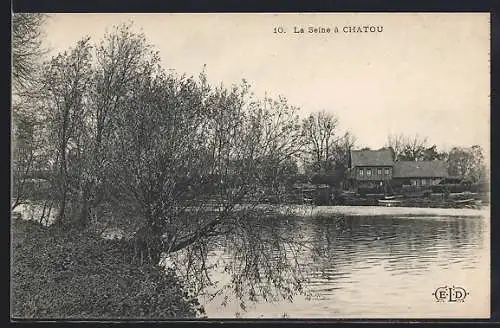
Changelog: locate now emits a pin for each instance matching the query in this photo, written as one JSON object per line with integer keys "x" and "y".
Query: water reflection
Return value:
{"x": 360, "y": 266}
{"x": 407, "y": 246}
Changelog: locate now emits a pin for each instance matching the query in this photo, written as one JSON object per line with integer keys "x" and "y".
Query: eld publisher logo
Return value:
{"x": 450, "y": 294}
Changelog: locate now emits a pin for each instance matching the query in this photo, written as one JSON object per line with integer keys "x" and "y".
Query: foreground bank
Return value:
{"x": 65, "y": 274}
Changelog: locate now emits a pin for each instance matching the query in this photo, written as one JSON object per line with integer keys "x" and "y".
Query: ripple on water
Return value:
{"x": 374, "y": 263}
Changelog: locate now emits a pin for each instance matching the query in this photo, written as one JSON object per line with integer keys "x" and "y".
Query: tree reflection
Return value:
{"x": 274, "y": 258}
{"x": 260, "y": 258}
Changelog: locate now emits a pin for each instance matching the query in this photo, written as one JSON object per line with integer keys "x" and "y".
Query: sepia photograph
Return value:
{"x": 250, "y": 165}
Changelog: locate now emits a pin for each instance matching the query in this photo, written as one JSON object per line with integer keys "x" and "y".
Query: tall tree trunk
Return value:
{"x": 83, "y": 217}
{"x": 63, "y": 191}
{"x": 62, "y": 209}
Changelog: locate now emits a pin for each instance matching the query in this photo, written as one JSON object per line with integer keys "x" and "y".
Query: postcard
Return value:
{"x": 250, "y": 165}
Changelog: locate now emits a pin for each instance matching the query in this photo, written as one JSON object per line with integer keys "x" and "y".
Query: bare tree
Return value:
{"x": 397, "y": 142}
{"x": 122, "y": 58}
{"x": 342, "y": 148}
{"x": 319, "y": 131}
{"x": 26, "y": 47}
{"x": 27, "y": 53}
{"x": 175, "y": 134}
{"x": 414, "y": 148}
{"x": 24, "y": 156}
{"x": 408, "y": 148}
{"x": 66, "y": 80}
{"x": 276, "y": 141}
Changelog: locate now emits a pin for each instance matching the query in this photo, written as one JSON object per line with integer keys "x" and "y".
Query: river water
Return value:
{"x": 355, "y": 266}
{"x": 370, "y": 267}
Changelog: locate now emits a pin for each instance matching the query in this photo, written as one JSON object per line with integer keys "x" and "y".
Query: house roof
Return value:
{"x": 381, "y": 157}
{"x": 420, "y": 169}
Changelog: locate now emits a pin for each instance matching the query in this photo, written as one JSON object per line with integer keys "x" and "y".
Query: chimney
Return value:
{"x": 349, "y": 163}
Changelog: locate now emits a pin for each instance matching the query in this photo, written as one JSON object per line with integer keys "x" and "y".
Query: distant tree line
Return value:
{"x": 463, "y": 162}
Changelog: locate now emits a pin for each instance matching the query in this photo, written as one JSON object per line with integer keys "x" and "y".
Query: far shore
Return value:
{"x": 389, "y": 211}
{"x": 34, "y": 211}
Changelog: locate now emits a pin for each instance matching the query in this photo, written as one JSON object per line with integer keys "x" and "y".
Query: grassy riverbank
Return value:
{"x": 73, "y": 275}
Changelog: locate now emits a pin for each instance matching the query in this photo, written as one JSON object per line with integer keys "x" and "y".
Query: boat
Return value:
{"x": 389, "y": 202}
{"x": 465, "y": 201}
{"x": 389, "y": 199}
{"x": 469, "y": 203}
{"x": 393, "y": 197}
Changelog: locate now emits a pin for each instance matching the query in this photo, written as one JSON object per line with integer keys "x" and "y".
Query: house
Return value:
{"x": 376, "y": 170}
{"x": 370, "y": 168}
{"x": 419, "y": 173}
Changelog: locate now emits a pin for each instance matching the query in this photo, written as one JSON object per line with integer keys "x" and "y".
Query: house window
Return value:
{"x": 387, "y": 171}
{"x": 368, "y": 172}
{"x": 424, "y": 182}
{"x": 361, "y": 172}
{"x": 379, "y": 171}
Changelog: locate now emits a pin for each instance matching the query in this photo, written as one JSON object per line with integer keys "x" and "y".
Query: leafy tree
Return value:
{"x": 431, "y": 154}
{"x": 467, "y": 163}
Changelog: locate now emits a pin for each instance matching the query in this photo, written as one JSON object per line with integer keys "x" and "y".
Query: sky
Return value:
{"x": 425, "y": 73}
